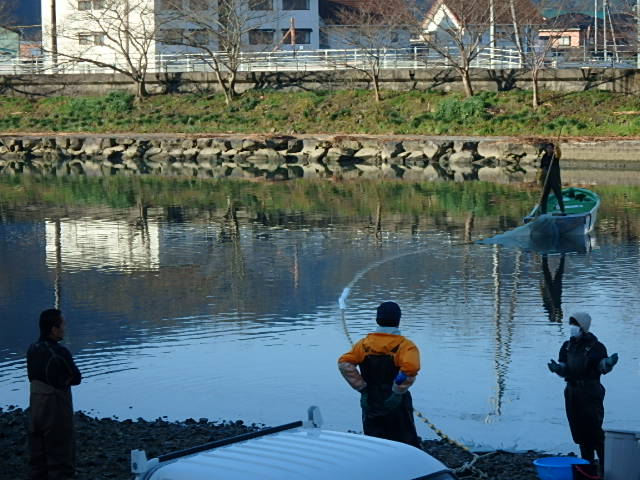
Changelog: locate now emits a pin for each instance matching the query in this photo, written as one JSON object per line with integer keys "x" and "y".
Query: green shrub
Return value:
{"x": 459, "y": 111}
{"x": 249, "y": 103}
{"x": 395, "y": 117}
{"x": 84, "y": 107}
{"x": 119, "y": 102}
{"x": 340, "y": 113}
{"x": 420, "y": 119}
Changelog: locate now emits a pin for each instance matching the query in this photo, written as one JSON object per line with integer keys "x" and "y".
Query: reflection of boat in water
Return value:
{"x": 581, "y": 207}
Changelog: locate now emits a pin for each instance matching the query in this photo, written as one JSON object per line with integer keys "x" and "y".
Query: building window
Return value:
{"x": 261, "y": 37}
{"x": 295, "y": 4}
{"x": 303, "y": 36}
{"x": 260, "y": 4}
{"x": 171, "y": 36}
{"x": 565, "y": 41}
{"x": 89, "y": 39}
{"x": 90, "y": 5}
{"x": 324, "y": 39}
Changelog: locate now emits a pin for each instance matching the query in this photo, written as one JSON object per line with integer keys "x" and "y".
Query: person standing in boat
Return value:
{"x": 51, "y": 372}
{"x": 581, "y": 362}
{"x": 381, "y": 367}
{"x": 550, "y": 175}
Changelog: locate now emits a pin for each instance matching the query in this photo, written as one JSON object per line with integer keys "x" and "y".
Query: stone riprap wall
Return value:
{"x": 288, "y": 157}
{"x": 277, "y": 158}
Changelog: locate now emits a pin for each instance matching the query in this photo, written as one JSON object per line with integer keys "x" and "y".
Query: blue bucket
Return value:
{"x": 556, "y": 468}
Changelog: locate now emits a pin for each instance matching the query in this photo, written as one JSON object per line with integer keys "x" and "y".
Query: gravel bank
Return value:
{"x": 103, "y": 446}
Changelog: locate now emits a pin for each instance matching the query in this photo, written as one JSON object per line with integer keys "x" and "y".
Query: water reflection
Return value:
{"x": 551, "y": 287}
{"x": 178, "y": 304}
{"x": 504, "y": 327}
{"x": 86, "y": 243}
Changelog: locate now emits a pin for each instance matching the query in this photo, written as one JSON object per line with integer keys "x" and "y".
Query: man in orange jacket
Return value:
{"x": 382, "y": 366}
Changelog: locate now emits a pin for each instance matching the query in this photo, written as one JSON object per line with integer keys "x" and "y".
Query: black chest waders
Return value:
{"x": 584, "y": 402}
{"x": 379, "y": 371}
{"x": 51, "y": 436}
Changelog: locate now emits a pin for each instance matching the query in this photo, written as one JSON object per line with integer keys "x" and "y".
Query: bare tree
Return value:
{"x": 517, "y": 35}
{"x": 119, "y": 35}
{"x": 460, "y": 30}
{"x": 537, "y": 39}
{"x": 372, "y": 28}
{"x": 224, "y": 32}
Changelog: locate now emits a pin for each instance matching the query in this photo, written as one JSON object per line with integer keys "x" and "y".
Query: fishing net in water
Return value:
{"x": 540, "y": 235}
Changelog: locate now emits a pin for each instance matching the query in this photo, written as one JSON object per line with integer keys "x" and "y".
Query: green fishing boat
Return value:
{"x": 581, "y": 212}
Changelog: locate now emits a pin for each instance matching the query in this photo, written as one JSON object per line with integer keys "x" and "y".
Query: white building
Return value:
{"x": 113, "y": 30}
{"x": 451, "y": 22}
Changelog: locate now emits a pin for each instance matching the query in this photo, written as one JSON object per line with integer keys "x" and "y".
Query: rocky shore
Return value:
{"x": 104, "y": 445}
{"x": 288, "y": 157}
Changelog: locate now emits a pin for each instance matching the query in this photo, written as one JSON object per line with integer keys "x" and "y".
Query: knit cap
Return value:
{"x": 388, "y": 314}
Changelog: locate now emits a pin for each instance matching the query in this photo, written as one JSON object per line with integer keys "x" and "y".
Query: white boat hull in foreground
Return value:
{"x": 299, "y": 451}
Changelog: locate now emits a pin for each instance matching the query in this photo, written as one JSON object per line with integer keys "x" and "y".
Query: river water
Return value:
{"x": 228, "y": 314}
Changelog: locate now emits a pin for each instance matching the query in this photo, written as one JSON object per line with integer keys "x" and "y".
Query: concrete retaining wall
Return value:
{"x": 617, "y": 80}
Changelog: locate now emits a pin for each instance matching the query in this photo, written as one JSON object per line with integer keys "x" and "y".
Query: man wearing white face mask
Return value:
{"x": 581, "y": 361}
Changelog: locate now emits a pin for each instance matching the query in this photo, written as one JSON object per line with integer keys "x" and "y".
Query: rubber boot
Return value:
{"x": 587, "y": 452}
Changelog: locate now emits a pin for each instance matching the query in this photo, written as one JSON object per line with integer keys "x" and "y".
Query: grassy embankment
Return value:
{"x": 590, "y": 113}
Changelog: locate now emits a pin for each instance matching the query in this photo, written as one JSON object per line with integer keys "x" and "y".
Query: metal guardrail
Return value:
{"x": 313, "y": 60}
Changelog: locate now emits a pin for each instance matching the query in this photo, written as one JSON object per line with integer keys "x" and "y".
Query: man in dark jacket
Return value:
{"x": 52, "y": 372}
{"x": 581, "y": 361}
{"x": 388, "y": 364}
{"x": 550, "y": 176}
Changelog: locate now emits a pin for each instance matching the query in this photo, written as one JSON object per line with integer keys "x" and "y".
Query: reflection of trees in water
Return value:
{"x": 57, "y": 289}
{"x": 468, "y": 226}
{"x": 623, "y": 226}
{"x": 141, "y": 225}
{"x": 503, "y": 328}
{"x": 377, "y": 227}
{"x": 227, "y": 265}
{"x": 468, "y": 269}
{"x": 236, "y": 265}
{"x": 551, "y": 288}
{"x": 175, "y": 214}
{"x": 230, "y": 230}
